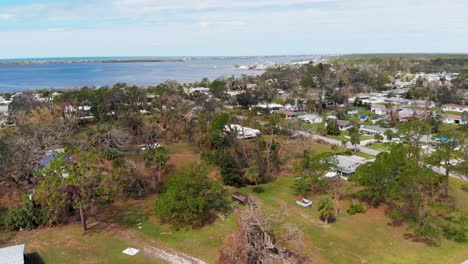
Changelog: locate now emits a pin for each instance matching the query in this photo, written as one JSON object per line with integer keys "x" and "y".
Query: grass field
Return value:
{"x": 362, "y": 238}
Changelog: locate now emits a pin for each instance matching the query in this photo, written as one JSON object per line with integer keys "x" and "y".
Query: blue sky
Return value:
{"x": 66, "y": 28}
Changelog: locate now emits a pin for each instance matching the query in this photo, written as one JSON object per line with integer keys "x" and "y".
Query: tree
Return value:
{"x": 376, "y": 176}
{"x": 311, "y": 172}
{"x": 355, "y": 137}
{"x": 321, "y": 129}
{"x": 218, "y": 88}
{"x": 255, "y": 242}
{"x": 389, "y": 134}
{"x": 157, "y": 157}
{"x": 76, "y": 185}
{"x": 333, "y": 128}
{"x": 326, "y": 208}
{"x": 446, "y": 156}
{"x": 190, "y": 198}
{"x": 378, "y": 137}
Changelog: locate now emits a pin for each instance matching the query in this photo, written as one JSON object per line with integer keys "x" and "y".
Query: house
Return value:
{"x": 363, "y": 118}
{"x": 455, "y": 108}
{"x": 454, "y": 119}
{"x": 311, "y": 118}
{"x": 343, "y": 124}
{"x": 12, "y": 255}
{"x": 380, "y": 109}
{"x": 374, "y": 130}
{"x": 242, "y": 132}
{"x": 406, "y": 114}
{"x": 347, "y": 165}
{"x": 271, "y": 106}
{"x": 202, "y": 90}
{"x": 251, "y": 86}
{"x": 288, "y": 114}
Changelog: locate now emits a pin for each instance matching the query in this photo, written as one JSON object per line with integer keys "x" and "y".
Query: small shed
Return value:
{"x": 12, "y": 255}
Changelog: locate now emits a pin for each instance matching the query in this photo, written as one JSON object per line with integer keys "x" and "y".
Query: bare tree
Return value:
{"x": 254, "y": 241}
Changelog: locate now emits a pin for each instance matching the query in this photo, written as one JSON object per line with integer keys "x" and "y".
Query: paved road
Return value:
{"x": 364, "y": 149}
{"x": 360, "y": 148}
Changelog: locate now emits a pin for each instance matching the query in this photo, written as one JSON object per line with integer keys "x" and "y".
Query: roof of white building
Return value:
{"x": 12, "y": 255}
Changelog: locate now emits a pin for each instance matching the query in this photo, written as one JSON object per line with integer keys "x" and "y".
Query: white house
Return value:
{"x": 271, "y": 106}
{"x": 311, "y": 118}
{"x": 347, "y": 165}
{"x": 202, "y": 90}
{"x": 379, "y": 109}
{"x": 343, "y": 124}
{"x": 454, "y": 119}
{"x": 242, "y": 132}
{"x": 455, "y": 108}
{"x": 374, "y": 130}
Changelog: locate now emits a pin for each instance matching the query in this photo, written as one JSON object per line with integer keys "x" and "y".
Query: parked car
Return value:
{"x": 304, "y": 202}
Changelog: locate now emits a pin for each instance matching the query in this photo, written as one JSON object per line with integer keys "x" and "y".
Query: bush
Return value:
{"x": 356, "y": 209}
{"x": 28, "y": 216}
{"x": 191, "y": 198}
{"x": 111, "y": 154}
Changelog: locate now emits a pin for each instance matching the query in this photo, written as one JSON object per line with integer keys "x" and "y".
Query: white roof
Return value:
{"x": 12, "y": 255}
{"x": 272, "y": 105}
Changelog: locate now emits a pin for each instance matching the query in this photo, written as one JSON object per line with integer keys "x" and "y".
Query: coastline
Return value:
{"x": 45, "y": 61}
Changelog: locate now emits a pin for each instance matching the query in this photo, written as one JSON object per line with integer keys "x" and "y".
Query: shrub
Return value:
{"x": 356, "y": 209}
{"x": 191, "y": 198}
{"x": 28, "y": 216}
{"x": 111, "y": 154}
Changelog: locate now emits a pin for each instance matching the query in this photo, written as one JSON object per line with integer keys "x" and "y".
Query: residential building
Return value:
{"x": 347, "y": 165}
{"x": 287, "y": 114}
{"x": 454, "y": 119}
{"x": 455, "y": 108}
{"x": 242, "y": 132}
{"x": 311, "y": 118}
{"x": 380, "y": 109}
{"x": 343, "y": 124}
{"x": 271, "y": 106}
{"x": 374, "y": 130}
{"x": 202, "y": 90}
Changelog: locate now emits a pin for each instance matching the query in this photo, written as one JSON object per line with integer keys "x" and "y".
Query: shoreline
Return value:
{"x": 46, "y": 61}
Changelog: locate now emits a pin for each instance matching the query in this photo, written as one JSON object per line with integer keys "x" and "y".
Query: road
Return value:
{"x": 360, "y": 148}
{"x": 367, "y": 150}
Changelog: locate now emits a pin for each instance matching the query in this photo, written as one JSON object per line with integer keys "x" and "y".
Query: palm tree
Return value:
{"x": 326, "y": 208}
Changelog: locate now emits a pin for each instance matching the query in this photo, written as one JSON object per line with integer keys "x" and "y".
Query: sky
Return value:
{"x": 71, "y": 28}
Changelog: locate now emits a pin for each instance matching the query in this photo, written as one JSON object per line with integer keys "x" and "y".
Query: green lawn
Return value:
{"x": 362, "y": 238}
{"x": 69, "y": 245}
{"x": 378, "y": 146}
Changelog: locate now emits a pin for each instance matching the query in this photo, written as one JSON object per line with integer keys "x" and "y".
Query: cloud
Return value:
{"x": 6, "y": 17}
{"x": 204, "y": 24}
{"x": 271, "y": 26}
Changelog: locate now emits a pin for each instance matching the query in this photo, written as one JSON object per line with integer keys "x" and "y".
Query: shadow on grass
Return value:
{"x": 128, "y": 215}
{"x": 33, "y": 258}
{"x": 419, "y": 239}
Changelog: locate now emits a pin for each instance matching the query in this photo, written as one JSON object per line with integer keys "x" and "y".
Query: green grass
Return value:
{"x": 362, "y": 238}
{"x": 453, "y": 113}
{"x": 202, "y": 243}
{"x": 69, "y": 245}
{"x": 364, "y": 155}
{"x": 378, "y": 146}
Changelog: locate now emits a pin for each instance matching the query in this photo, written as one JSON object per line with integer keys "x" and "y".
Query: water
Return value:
{"x": 14, "y": 78}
